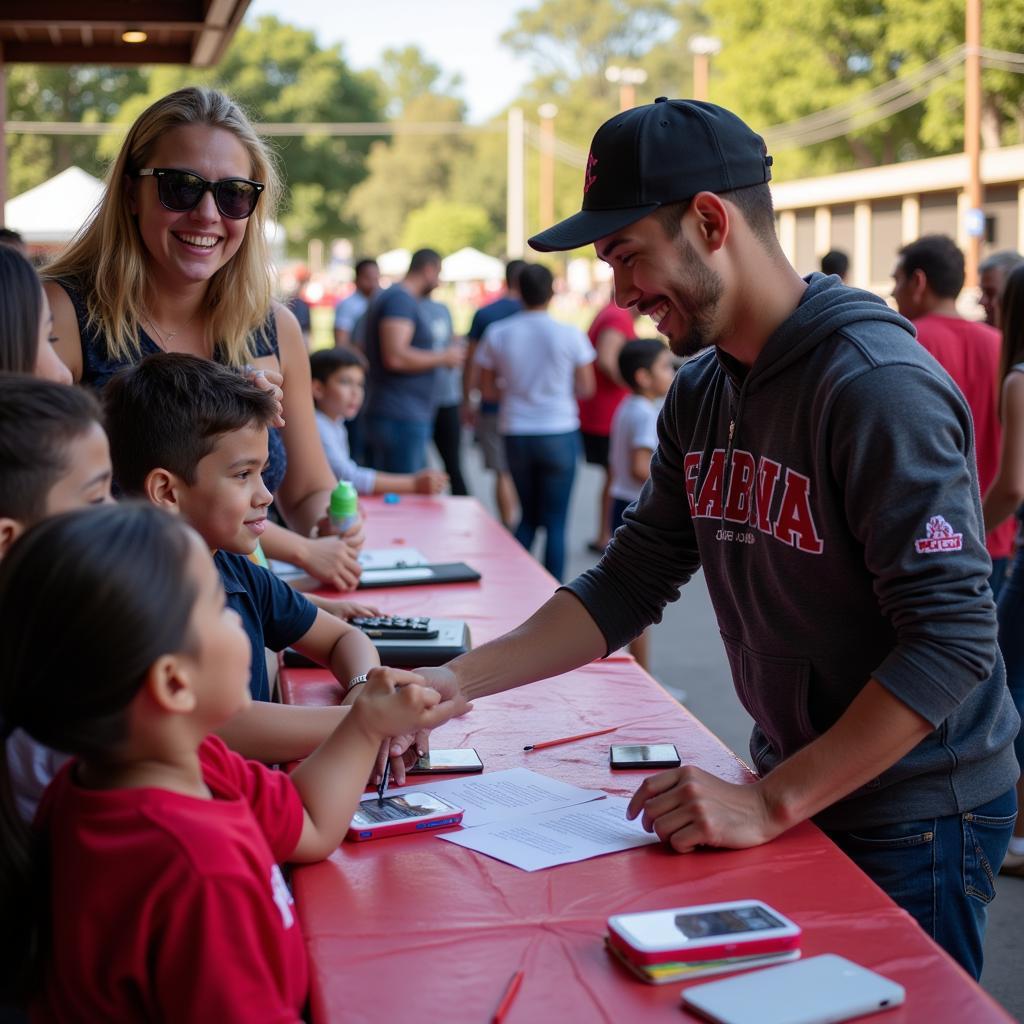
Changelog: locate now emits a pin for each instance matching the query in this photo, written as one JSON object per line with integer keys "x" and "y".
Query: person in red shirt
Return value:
{"x": 163, "y": 898}
{"x": 928, "y": 277}
{"x": 609, "y": 331}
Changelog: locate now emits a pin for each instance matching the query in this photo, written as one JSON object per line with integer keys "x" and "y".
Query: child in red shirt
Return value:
{"x": 164, "y": 900}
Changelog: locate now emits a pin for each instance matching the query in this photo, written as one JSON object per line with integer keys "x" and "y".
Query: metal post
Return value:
{"x": 546, "y": 205}
{"x": 515, "y": 229}
{"x": 972, "y": 142}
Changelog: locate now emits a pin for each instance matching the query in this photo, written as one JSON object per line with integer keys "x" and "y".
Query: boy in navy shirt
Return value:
{"x": 191, "y": 436}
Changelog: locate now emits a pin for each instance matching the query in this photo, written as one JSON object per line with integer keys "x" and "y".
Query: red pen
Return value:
{"x": 506, "y": 1000}
{"x": 569, "y": 739}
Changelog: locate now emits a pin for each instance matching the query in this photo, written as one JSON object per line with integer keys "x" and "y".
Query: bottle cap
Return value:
{"x": 344, "y": 500}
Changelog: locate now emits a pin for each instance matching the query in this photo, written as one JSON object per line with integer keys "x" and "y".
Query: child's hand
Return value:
{"x": 354, "y": 536}
{"x": 394, "y": 703}
{"x": 430, "y": 481}
{"x": 349, "y": 609}
{"x": 332, "y": 561}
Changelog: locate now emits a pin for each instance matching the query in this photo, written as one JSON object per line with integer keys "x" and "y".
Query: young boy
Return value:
{"x": 339, "y": 385}
{"x": 647, "y": 368}
{"x": 54, "y": 457}
{"x": 191, "y": 436}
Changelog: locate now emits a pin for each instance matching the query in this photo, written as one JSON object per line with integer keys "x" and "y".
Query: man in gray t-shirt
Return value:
{"x": 402, "y": 360}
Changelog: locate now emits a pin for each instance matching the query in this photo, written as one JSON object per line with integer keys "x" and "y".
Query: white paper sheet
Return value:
{"x": 499, "y": 796}
{"x": 563, "y": 836}
{"x": 391, "y": 558}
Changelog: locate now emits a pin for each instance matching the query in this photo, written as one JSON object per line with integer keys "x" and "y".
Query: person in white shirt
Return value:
{"x": 537, "y": 368}
{"x": 647, "y": 367}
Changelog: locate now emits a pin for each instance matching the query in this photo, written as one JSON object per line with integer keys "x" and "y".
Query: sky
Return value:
{"x": 460, "y": 35}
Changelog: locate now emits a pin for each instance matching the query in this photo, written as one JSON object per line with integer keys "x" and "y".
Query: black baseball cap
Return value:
{"x": 664, "y": 152}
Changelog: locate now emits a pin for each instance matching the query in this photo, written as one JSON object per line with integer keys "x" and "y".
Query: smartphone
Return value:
{"x": 401, "y": 814}
{"x": 645, "y": 755}
{"x": 821, "y": 990}
{"x": 711, "y": 931}
{"x": 448, "y": 762}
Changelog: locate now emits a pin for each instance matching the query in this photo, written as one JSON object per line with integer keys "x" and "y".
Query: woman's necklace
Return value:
{"x": 163, "y": 338}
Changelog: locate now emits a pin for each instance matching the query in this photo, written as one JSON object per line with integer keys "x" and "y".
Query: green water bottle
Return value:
{"x": 344, "y": 507}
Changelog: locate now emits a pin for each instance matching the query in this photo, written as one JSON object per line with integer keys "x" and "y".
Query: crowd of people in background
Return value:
{"x": 218, "y": 409}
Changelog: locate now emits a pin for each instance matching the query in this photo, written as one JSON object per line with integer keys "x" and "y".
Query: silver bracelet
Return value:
{"x": 354, "y": 682}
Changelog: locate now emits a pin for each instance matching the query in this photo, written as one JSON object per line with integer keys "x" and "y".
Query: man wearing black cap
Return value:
{"x": 818, "y": 465}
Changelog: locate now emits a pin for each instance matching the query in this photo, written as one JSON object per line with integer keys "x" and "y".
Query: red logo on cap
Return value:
{"x": 589, "y": 178}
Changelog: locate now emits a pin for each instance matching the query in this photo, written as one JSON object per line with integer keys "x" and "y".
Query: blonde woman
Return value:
{"x": 176, "y": 260}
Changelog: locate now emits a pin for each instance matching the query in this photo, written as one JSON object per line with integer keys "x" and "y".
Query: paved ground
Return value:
{"x": 687, "y": 657}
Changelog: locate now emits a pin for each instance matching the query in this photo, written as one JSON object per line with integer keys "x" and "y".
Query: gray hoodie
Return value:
{"x": 831, "y": 496}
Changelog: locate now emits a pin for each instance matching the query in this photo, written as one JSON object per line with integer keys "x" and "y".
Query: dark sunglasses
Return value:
{"x": 181, "y": 191}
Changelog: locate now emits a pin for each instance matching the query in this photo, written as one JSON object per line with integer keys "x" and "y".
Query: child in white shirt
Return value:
{"x": 646, "y": 365}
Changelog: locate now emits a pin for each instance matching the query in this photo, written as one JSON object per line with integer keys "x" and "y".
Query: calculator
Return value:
{"x": 395, "y": 627}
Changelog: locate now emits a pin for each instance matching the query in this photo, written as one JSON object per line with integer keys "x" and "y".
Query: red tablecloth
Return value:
{"x": 414, "y": 929}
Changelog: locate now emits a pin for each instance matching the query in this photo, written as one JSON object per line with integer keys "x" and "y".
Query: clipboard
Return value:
{"x": 413, "y": 575}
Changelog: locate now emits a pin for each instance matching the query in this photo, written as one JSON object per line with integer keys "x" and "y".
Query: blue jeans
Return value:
{"x": 1010, "y": 608}
{"x": 397, "y": 446}
{"x": 940, "y": 870}
{"x": 543, "y": 467}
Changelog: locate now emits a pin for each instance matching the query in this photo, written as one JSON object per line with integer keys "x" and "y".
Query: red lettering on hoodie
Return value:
{"x": 741, "y": 479}
{"x": 709, "y": 504}
{"x": 767, "y": 474}
{"x": 691, "y": 470}
{"x": 794, "y": 524}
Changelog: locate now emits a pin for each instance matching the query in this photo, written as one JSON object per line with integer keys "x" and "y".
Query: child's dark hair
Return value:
{"x": 38, "y": 420}
{"x": 89, "y": 600}
{"x": 21, "y": 307}
{"x": 639, "y": 354}
{"x": 168, "y": 411}
{"x": 326, "y": 362}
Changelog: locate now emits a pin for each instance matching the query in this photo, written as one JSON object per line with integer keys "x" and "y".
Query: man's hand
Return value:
{"x": 404, "y": 750}
{"x": 454, "y": 355}
{"x": 686, "y": 808}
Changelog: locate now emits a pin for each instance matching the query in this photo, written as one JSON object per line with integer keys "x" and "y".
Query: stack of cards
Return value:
{"x": 662, "y": 974}
{"x": 659, "y": 946}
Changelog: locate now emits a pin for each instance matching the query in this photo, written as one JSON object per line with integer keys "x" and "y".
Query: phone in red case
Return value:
{"x": 712, "y": 931}
{"x": 401, "y": 814}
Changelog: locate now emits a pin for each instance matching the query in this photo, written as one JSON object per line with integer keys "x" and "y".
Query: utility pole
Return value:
{"x": 546, "y": 206}
{"x": 972, "y": 142}
{"x": 703, "y": 49}
{"x": 627, "y": 80}
{"x": 515, "y": 229}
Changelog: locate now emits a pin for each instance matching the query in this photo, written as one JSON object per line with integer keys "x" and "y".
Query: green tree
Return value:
{"x": 780, "y": 62}
{"x": 417, "y": 164}
{"x": 447, "y": 226}
{"x": 572, "y": 43}
{"x": 279, "y": 74}
{"x": 47, "y": 92}
{"x": 407, "y": 73}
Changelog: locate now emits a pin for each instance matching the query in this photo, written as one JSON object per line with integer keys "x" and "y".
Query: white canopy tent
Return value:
{"x": 51, "y": 213}
{"x": 471, "y": 264}
{"x": 394, "y": 263}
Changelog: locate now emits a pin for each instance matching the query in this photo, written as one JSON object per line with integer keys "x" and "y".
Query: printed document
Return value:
{"x": 500, "y": 796}
{"x": 562, "y": 836}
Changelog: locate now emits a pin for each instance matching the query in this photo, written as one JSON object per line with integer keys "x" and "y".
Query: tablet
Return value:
{"x": 822, "y": 990}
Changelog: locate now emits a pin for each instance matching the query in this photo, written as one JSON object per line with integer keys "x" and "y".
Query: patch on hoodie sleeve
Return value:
{"x": 940, "y": 537}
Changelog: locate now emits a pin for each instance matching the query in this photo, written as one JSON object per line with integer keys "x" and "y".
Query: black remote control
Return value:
{"x": 395, "y": 627}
